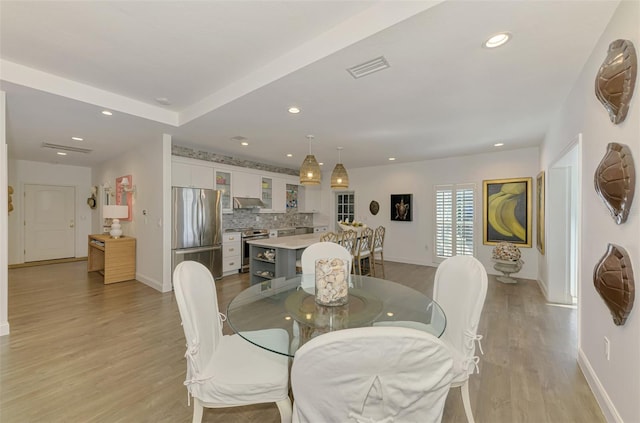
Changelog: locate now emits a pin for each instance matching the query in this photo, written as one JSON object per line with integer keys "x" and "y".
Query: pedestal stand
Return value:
{"x": 507, "y": 268}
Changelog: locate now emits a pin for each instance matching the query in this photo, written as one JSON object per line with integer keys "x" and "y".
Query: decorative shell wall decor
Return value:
{"x": 613, "y": 279}
{"x": 615, "y": 181}
{"x": 374, "y": 207}
{"x": 616, "y": 79}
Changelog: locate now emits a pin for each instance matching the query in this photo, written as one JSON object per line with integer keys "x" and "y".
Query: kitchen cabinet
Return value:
{"x": 320, "y": 229}
{"x": 309, "y": 199}
{"x": 191, "y": 176}
{"x": 246, "y": 184}
{"x": 231, "y": 253}
{"x": 274, "y": 195}
{"x": 223, "y": 184}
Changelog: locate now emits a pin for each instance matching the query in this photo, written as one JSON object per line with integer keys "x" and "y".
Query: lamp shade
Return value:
{"x": 310, "y": 171}
{"x": 339, "y": 177}
{"x": 115, "y": 212}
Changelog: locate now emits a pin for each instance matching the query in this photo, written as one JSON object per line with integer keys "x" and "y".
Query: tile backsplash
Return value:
{"x": 249, "y": 219}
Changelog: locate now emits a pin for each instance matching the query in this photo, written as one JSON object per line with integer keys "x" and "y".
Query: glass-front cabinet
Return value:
{"x": 223, "y": 183}
{"x": 267, "y": 193}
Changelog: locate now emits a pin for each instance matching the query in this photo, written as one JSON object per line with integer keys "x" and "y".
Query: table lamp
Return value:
{"x": 115, "y": 213}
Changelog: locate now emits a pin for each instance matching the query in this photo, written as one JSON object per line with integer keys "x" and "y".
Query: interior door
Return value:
{"x": 49, "y": 222}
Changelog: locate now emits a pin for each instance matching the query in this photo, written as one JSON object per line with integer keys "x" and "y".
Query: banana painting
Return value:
{"x": 501, "y": 211}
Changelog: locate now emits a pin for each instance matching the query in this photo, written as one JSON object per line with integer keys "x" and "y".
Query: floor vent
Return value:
{"x": 66, "y": 148}
{"x": 367, "y": 68}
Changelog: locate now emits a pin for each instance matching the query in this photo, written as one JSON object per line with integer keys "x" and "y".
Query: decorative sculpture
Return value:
{"x": 615, "y": 181}
{"x": 507, "y": 260}
{"x": 616, "y": 79}
{"x": 613, "y": 279}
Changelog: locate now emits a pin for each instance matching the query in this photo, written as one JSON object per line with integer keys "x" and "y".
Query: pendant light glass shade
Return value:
{"x": 339, "y": 176}
{"x": 310, "y": 169}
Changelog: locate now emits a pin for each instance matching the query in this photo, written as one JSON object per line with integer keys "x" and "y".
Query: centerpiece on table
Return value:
{"x": 332, "y": 281}
{"x": 353, "y": 225}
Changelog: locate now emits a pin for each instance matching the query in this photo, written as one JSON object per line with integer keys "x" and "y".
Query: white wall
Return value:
{"x": 22, "y": 172}
{"x": 616, "y": 383}
{"x": 413, "y": 242}
{"x": 145, "y": 165}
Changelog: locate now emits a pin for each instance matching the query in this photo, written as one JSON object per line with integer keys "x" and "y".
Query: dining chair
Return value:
{"x": 364, "y": 251}
{"x": 323, "y": 250}
{"x": 460, "y": 288}
{"x": 330, "y": 237}
{"x": 349, "y": 240}
{"x": 377, "y": 255}
{"x": 226, "y": 370}
{"x": 402, "y": 376}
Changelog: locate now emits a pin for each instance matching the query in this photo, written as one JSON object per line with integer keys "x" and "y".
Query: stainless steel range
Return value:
{"x": 249, "y": 234}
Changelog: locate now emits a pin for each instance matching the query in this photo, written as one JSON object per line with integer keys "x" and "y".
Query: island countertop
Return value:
{"x": 294, "y": 242}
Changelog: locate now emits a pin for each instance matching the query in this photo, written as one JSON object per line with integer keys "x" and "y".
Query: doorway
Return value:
{"x": 564, "y": 226}
{"x": 49, "y": 222}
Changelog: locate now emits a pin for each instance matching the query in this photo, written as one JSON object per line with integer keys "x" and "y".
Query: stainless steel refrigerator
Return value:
{"x": 196, "y": 230}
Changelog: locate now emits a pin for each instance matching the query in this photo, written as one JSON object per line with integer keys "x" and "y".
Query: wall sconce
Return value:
{"x": 126, "y": 187}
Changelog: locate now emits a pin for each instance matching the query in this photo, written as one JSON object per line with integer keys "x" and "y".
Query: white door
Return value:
{"x": 49, "y": 222}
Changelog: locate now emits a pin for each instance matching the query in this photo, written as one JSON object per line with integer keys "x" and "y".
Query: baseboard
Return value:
{"x": 45, "y": 262}
{"x": 407, "y": 261}
{"x": 4, "y": 328}
{"x": 543, "y": 288}
{"x": 152, "y": 283}
{"x": 605, "y": 403}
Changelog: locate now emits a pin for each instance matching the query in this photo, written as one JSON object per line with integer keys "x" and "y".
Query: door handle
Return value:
{"x": 71, "y": 225}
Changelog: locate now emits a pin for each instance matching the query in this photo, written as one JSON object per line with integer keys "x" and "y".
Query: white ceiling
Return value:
{"x": 232, "y": 68}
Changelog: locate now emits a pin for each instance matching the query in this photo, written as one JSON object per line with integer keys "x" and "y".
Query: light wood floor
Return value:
{"x": 81, "y": 351}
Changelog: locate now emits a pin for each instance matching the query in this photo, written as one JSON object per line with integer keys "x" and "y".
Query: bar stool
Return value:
{"x": 330, "y": 237}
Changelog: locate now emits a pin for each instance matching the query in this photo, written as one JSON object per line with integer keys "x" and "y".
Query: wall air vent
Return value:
{"x": 66, "y": 148}
{"x": 367, "y": 68}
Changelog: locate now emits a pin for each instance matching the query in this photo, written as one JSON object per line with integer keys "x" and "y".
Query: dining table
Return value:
{"x": 290, "y": 304}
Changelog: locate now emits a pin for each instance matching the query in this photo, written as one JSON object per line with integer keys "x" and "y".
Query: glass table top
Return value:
{"x": 290, "y": 304}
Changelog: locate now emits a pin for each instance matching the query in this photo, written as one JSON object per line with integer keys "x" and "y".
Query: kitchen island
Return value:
{"x": 271, "y": 258}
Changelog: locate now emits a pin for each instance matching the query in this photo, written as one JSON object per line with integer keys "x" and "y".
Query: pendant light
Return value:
{"x": 339, "y": 176}
{"x": 310, "y": 169}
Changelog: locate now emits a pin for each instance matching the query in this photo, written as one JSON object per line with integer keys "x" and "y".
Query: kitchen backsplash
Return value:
{"x": 248, "y": 219}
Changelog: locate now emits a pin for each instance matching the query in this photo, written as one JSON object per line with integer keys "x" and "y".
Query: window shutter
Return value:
{"x": 454, "y": 225}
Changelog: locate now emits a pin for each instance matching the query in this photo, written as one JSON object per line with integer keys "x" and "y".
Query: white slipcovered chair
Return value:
{"x": 321, "y": 250}
{"x": 225, "y": 370}
{"x": 371, "y": 375}
{"x": 460, "y": 288}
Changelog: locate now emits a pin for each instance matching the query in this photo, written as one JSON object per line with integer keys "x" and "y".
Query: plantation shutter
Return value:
{"x": 454, "y": 220}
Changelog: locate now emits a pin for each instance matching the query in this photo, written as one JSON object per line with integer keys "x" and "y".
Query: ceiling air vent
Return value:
{"x": 66, "y": 148}
{"x": 369, "y": 67}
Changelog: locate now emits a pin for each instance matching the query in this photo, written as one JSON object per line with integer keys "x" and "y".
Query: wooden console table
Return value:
{"x": 114, "y": 258}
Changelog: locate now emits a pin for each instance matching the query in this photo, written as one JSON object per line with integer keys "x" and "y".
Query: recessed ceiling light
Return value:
{"x": 244, "y": 143}
{"x": 294, "y": 110}
{"x": 498, "y": 144}
{"x": 77, "y": 139}
{"x": 163, "y": 100}
{"x": 106, "y": 113}
{"x": 289, "y": 155}
{"x": 497, "y": 40}
{"x": 61, "y": 153}
{"x": 320, "y": 163}
{"x": 392, "y": 158}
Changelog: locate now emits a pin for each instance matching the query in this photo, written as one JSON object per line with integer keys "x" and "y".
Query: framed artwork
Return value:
{"x": 540, "y": 212}
{"x": 125, "y": 197}
{"x": 506, "y": 211}
{"x": 401, "y": 207}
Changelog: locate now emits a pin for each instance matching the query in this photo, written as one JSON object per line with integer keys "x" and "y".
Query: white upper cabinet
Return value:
{"x": 247, "y": 184}
{"x": 309, "y": 199}
{"x": 274, "y": 195}
{"x": 193, "y": 176}
{"x": 223, "y": 184}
